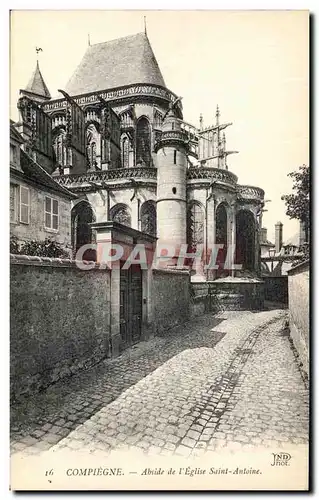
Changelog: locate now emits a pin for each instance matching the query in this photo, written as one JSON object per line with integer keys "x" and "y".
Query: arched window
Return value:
{"x": 245, "y": 239}
{"x": 60, "y": 148}
{"x": 120, "y": 213}
{"x": 143, "y": 142}
{"x": 93, "y": 145}
{"x": 148, "y": 218}
{"x": 195, "y": 226}
{"x": 221, "y": 238}
{"x": 81, "y": 217}
{"x": 125, "y": 152}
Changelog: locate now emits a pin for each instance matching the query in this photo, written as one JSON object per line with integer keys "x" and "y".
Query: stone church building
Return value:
{"x": 117, "y": 139}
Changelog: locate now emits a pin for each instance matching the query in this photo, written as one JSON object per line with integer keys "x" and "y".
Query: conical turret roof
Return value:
{"x": 37, "y": 84}
{"x": 116, "y": 63}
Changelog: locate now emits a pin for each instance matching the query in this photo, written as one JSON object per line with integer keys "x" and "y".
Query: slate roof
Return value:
{"x": 116, "y": 63}
{"x": 35, "y": 172}
{"x": 37, "y": 84}
{"x": 14, "y": 134}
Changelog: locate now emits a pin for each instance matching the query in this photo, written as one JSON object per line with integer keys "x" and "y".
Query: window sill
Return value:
{"x": 50, "y": 230}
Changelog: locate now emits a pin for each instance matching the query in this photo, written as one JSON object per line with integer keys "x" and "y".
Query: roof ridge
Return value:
{"x": 116, "y": 39}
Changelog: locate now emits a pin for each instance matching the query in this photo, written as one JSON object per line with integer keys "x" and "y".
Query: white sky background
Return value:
{"x": 254, "y": 65}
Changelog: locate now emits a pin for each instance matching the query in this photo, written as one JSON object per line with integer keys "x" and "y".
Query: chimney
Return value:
{"x": 278, "y": 236}
{"x": 263, "y": 235}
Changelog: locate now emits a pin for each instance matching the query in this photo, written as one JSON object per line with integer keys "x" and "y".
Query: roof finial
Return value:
{"x": 201, "y": 121}
{"x": 38, "y": 49}
{"x": 89, "y": 41}
{"x": 145, "y": 29}
{"x": 217, "y": 115}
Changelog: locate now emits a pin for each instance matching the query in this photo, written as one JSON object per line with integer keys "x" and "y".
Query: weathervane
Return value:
{"x": 38, "y": 49}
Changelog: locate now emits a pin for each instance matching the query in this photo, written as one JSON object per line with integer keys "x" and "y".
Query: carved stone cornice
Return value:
{"x": 87, "y": 180}
{"x": 212, "y": 174}
{"x": 168, "y": 137}
{"x": 136, "y": 90}
{"x": 250, "y": 193}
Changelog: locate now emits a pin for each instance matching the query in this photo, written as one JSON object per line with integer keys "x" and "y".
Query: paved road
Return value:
{"x": 229, "y": 381}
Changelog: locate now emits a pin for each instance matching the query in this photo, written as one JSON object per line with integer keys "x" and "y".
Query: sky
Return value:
{"x": 253, "y": 64}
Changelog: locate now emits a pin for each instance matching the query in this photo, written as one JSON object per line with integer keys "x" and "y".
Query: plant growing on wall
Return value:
{"x": 46, "y": 248}
{"x": 14, "y": 245}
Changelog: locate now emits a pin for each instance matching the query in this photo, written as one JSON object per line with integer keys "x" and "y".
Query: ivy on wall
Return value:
{"x": 46, "y": 248}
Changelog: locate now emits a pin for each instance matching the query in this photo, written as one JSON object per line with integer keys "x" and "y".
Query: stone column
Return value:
{"x": 233, "y": 236}
{"x": 134, "y": 207}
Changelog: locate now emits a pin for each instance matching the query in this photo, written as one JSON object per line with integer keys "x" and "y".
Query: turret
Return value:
{"x": 171, "y": 151}
{"x": 36, "y": 88}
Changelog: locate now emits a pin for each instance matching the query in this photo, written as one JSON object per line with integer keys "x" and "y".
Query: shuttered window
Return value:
{"x": 24, "y": 205}
{"x": 51, "y": 213}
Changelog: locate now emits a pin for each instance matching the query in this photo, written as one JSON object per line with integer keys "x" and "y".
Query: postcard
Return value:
{"x": 159, "y": 250}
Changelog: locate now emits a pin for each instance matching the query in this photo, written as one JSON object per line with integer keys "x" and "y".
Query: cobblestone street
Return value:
{"x": 226, "y": 381}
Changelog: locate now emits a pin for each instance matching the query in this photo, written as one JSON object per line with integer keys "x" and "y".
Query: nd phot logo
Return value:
{"x": 281, "y": 459}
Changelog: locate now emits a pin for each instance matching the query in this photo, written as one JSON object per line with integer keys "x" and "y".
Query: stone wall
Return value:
{"x": 276, "y": 288}
{"x": 298, "y": 293}
{"x": 60, "y": 321}
{"x": 171, "y": 298}
{"x": 231, "y": 295}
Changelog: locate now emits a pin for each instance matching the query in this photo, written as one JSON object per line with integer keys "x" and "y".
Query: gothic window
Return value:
{"x": 92, "y": 154}
{"x": 120, "y": 213}
{"x": 221, "y": 224}
{"x": 148, "y": 218}
{"x": 60, "y": 148}
{"x": 82, "y": 216}
{"x": 93, "y": 148}
{"x": 143, "y": 142}
{"x": 195, "y": 226}
{"x": 125, "y": 152}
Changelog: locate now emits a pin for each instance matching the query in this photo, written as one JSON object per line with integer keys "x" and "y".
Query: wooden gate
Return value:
{"x": 130, "y": 305}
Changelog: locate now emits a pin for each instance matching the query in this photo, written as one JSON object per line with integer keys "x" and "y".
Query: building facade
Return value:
{"x": 39, "y": 206}
{"x": 118, "y": 140}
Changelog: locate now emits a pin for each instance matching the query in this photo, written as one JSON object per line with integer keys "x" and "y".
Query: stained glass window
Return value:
{"x": 148, "y": 218}
{"x": 143, "y": 142}
{"x": 120, "y": 213}
{"x": 125, "y": 152}
{"x": 195, "y": 226}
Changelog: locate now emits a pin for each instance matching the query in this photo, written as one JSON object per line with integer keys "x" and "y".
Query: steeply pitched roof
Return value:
{"x": 36, "y": 173}
{"x": 116, "y": 63}
{"x": 37, "y": 84}
{"x": 14, "y": 134}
